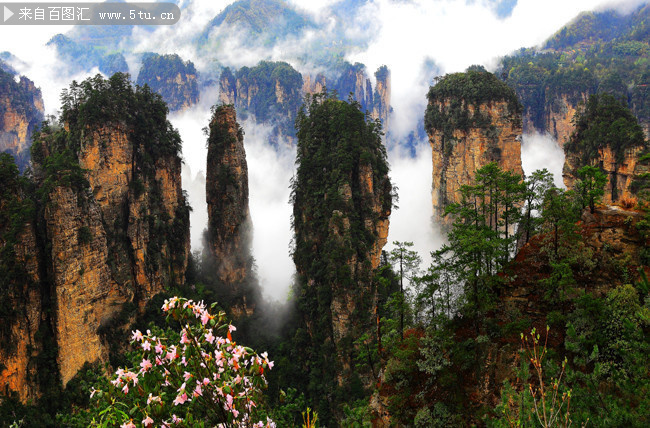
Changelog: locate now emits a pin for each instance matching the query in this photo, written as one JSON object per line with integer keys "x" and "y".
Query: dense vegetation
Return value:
{"x": 98, "y": 102}
{"x": 333, "y": 245}
{"x": 605, "y": 122}
{"x": 600, "y": 52}
{"x": 596, "y": 306}
{"x": 172, "y": 78}
{"x": 450, "y": 99}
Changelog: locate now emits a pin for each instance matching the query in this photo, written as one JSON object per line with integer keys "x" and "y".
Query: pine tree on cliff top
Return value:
{"x": 340, "y": 192}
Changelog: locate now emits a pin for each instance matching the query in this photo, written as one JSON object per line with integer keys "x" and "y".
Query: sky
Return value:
{"x": 411, "y": 37}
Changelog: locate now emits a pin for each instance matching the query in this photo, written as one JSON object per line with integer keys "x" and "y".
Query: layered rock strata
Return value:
{"x": 472, "y": 119}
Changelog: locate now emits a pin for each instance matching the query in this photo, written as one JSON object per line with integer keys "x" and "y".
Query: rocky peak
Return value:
{"x": 272, "y": 92}
{"x": 342, "y": 200}
{"x": 21, "y": 111}
{"x": 229, "y": 223}
{"x": 381, "y": 100}
{"x": 113, "y": 222}
{"x": 472, "y": 119}
{"x": 172, "y": 78}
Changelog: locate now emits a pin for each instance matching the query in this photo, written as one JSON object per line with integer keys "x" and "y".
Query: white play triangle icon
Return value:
{"x": 8, "y": 13}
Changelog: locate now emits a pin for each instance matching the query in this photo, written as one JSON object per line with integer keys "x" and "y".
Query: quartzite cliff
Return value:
{"x": 472, "y": 119}
{"x": 342, "y": 198}
{"x": 111, "y": 228}
{"x": 607, "y": 135}
{"x": 172, "y": 78}
{"x": 21, "y": 111}
{"x": 229, "y": 223}
{"x": 272, "y": 92}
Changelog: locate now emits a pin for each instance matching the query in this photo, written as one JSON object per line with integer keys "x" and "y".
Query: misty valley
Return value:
{"x": 277, "y": 213}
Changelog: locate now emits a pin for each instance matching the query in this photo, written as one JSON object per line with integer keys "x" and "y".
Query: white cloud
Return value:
{"x": 542, "y": 151}
{"x": 269, "y": 175}
{"x": 413, "y": 220}
{"x": 407, "y": 35}
{"x": 190, "y": 124}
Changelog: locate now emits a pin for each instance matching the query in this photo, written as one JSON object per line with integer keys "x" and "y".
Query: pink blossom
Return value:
{"x": 129, "y": 424}
{"x": 180, "y": 399}
{"x": 205, "y": 317}
{"x": 146, "y": 365}
{"x": 147, "y": 421}
{"x": 198, "y": 391}
{"x": 146, "y": 345}
{"x": 209, "y": 337}
{"x": 231, "y": 328}
{"x": 137, "y": 335}
{"x": 159, "y": 348}
{"x": 92, "y": 392}
{"x": 125, "y": 389}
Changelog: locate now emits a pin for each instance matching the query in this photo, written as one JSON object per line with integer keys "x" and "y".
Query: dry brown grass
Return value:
{"x": 628, "y": 203}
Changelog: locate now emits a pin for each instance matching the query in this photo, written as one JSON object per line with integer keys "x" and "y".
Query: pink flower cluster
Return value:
{"x": 205, "y": 368}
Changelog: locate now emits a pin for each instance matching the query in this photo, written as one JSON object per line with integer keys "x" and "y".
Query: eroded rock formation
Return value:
{"x": 21, "y": 315}
{"x": 272, "y": 92}
{"x": 21, "y": 111}
{"x": 559, "y": 114}
{"x": 172, "y": 78}
{"x": 229, "y": 222}
{"x": 112, "y": 227}
{"x": 342, "y": 200}
{"x": 608, "y": 136}
{"x": 472, "y": 119}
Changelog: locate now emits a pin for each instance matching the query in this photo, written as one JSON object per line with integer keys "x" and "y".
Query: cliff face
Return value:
{"x": 172, "y": 78}
{"x": 559, "y": 114}
{"x": 133, "y": 200}
{"x": 314, "y": 85}
{"x": 113, "y": 225}
{"x": 381, "y": 99}
{"x": 342, "y": 202}
{"x": 374, "y": 190}
{"x": 489, "y": 131}
{"x": 272, "y": 93}
{"x": 21, "y": 110}
{"x": 621, "y": 173}
{"x": 20, "y": 277}
{"x": 229, "y": 222}
{"x": 85, "y": 294}
{"x": 608, "y": 136}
